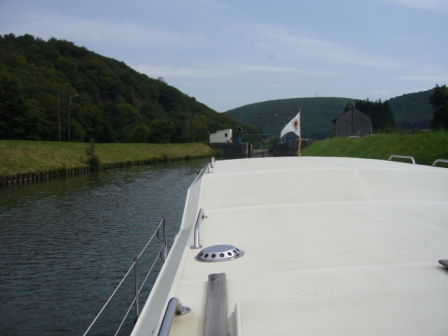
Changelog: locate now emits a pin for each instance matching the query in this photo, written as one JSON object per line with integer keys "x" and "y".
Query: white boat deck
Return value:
{"x": 333, "y": 246}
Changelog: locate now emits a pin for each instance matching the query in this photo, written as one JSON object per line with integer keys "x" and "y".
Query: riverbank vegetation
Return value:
{"x": 424, "y": 147}
{"x": 20, "y": 157}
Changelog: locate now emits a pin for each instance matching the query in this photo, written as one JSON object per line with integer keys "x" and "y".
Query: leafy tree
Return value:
{"x": 34, "y": 121}
{"x": 65, "y": 65}
{"x": 113, "y": 123}
{"x": 379, "y": 113}
{"x": 439, "y": 101}
{"x": 12, "y": 100}
{"x": 140, "y": 134}
{"x": 77, "y": 133}
{"x": 161, "y": 130}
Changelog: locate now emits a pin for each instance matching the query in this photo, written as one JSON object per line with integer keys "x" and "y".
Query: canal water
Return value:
{"x": 65, "y": 245}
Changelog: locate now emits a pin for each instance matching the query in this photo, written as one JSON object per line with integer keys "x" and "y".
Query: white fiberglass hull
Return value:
{"x": 332, "y": 246}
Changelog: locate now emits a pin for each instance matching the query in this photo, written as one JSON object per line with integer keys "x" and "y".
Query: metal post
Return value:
{"x": 68, "y": 116}
{"x": 196, "y": 244}
{"x": 137, "y": 313}
{"x": 59, "y": 119}
{"x": 165, "y": 241}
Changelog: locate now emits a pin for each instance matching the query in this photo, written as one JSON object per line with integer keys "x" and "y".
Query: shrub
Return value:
{"x": 93, "y": 159}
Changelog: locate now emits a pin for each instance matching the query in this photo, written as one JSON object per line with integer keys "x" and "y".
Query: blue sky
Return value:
{"x": 230, "y": 53}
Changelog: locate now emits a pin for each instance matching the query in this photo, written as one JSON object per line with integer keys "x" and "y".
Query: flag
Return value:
{"x": 292, "y": 126}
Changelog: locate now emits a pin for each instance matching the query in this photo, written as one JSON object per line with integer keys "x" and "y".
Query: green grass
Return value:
{"x": 425, "y": 147}
{"x": 20, "y": 157}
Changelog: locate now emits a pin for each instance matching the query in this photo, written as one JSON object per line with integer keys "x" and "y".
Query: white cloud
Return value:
{"x": 430, "y": 79}
{"x": 222, "y": 71}
{"x": 124, "y": 34}
{"x": 381, "y": 93}
{"x": 287, "y": 44}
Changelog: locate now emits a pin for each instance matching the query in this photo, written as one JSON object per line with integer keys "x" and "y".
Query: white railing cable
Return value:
{"x": 152, "y": 266}
{"x": 110, "y": 298}
{"x": 124, "y": 318}
{"x": 153, "y": 235}
{"x": 127, "y": 273}
{"x": 139, "y": 290}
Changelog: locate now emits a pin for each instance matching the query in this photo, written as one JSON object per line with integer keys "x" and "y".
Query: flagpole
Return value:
{"x": 299, "y": 139}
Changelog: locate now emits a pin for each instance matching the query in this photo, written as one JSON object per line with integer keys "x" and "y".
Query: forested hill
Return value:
{"x": 410, "y": 111}
{"x": 271, "y": 116}
{"x": 110, "y": 102}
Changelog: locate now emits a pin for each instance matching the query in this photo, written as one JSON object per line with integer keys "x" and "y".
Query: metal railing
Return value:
{"x": 162, "y": 252}
{"x": 196, "y": 243}
{"x": 211, "y": 165}
{"x": 207, "y": 168}
{"x": 174, "y": 307}
{"x": 439, "y": 160}
{"x": 402, "y": 157}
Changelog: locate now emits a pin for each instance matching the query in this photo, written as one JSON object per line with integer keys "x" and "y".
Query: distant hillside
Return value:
{"x": 317, "y": 114}
{"x": 410, "y": 111}
{"x": 107, "y": 101}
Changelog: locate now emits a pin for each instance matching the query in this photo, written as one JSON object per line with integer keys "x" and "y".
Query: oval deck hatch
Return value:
{"x": 217, "y": 253}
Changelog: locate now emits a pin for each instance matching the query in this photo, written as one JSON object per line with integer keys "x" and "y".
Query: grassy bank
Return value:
{"x": 425, "y": 147}
{"x": 20, "y": 157}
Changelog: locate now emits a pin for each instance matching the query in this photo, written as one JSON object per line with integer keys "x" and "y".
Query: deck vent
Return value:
{"x": 218, "y": 253}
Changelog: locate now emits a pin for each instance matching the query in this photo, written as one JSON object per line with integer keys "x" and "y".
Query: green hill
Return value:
{"x": 107, "y": 101}
{"x": 410, "y": 111}
{"x": 316, "y": 117}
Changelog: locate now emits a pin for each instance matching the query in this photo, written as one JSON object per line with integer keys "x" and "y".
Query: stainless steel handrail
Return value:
{"x": 439, "y": 160}
{"x": 174, "y": 307}
{"x": 162, "y": 252}
{"x": 402, "y": 157}
{"x": 201, "y": 215}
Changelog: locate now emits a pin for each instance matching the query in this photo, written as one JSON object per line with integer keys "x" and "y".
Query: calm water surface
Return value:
{"x": 65, "y": 244}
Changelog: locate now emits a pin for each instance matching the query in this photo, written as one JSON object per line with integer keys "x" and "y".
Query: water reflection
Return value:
{"x": 66, "y": 243}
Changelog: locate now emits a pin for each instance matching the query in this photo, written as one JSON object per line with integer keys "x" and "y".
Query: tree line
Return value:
{"x": 379, "y": 112}
{"x": 55, "y": 91}
{"x": 383, "y": 119}
{"x": 439, "y": 101}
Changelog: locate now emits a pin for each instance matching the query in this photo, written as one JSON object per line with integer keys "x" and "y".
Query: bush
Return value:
{"x": 93, "y": 159}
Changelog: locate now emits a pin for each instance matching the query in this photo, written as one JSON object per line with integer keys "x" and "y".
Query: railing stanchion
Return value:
{"x": 165, "y": 241}
{"x": 136, "y": 288}
{"x": 196, "y": 243}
